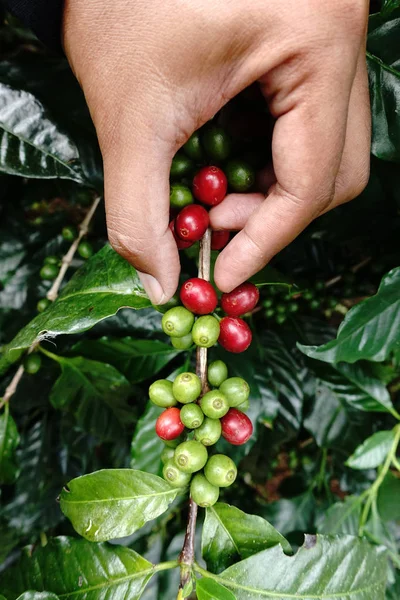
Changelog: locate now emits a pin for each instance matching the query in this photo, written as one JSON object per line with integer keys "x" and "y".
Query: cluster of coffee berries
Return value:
{"x": 199, "y": 299}
{"x": 192, "y": 422}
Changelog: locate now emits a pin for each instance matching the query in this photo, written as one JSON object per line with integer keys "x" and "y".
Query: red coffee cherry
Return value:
{"x": 237, "y": 428}
{"x": 219, "y": 239}
{"x": 198, "y": 296}
{"x": 191, "y": 223}
{"x": 240, "y": 300}
{"x": 210, "y": 185}
{"x": 180, "y": 243}
{"x": 169, "y": 425}
{"x": 235, "y": 335}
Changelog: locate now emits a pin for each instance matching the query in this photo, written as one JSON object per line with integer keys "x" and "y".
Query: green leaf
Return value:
{"x": 208, "y": 589}
{"x": 96, "y": 393}
{"x": 230, "y": 535}
{"x": 76, "y": 570}
{"x": 294, "y": 514}
{"x": 388, "y": 498}
{"x": 372, "y": 451}
{"x": 9, "y": 440}
{"x": 342, "y": 517}
{"x": 37, "y": 596}
{"x": 324, "y": 568}
{"x": 138, "y": 360}
{"x": 389, "y": 5}
{"x": 370, "y": 330}
{"x": 32, "y": 144}
{"x": 146, "y": 447}
{"x": 114, "y": 503}
{"x": 104, "y": 285}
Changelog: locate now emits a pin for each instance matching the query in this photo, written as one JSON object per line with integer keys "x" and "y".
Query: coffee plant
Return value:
{"x": 224, "y": 446}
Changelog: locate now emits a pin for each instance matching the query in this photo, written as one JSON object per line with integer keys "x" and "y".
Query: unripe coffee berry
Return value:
{"x": 220, "y": 470}
{"x": 69, "y": 233}
{"x": 219, "y": 239}
{"x": 182, "y": 343}
{"x": 214, "y": 404}
{"x": 180, "y": 196}
{"x": 235, "y": 335}
{"x": 191, "y": 223}
{"x": 169, "y": 425}
{"x": 174, "y": 475}
{"x": 193, "y": 147}
{"x": 206, "y": 331}
{"x": 190, "y": 456}
{"x": 43, "y": 304}
{"x": 85, "y": 250}
{"x": 180, "y": 243}
{"x": 198, "y": 296}
{"x": 186, "y": 388}
{"x": 241, "y": 175}
{"x": 216, "y": 142}
{"x": 181, "y": 166}
{"x": 240, "y": 300}
{"x": 32, "y": 363}
{"x": 236, "y": 390}
{"x": 209, "y": 432}
{"x": 52, "y": 260}
{"x": 210, "y": 185}
{"x": 192, "y": 416}
{"x": 167, "y": 454}
{"x": 177, "y": 322}
{"x": 217, "y": 373}
{"x": 237, "y": 428}
{"x": 203, "y": 492}
{"x": 48, "y": 272}
{"x": 160, "y": 393}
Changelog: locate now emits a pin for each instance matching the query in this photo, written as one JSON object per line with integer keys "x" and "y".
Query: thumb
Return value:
{"x": 136, "y": 172}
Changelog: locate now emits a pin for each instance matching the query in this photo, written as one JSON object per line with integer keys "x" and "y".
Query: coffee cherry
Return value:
{"x": 280, "y": 319}
{"x": 52, "y": 260}
{"x": 219, "y": 239}
{"x": 32, "y": 363}
{"x": 181, "y": 166}
{"x": 85, "y": 250}
{"x": 281, "y": 308}
{"x": 177, "y": 322}
{"x": 332, "y": 302}
{"x": 220, "y": 470}
{"x": 217, "y": 373}
{"x": 315, "y": 304}
{"x": 203, "y": 492}
{"x": 205, "y": 331}
{"x": 214, "y": 404}
{"x": 198, "y": 296}
{"x": 210, "y": 185}
{"x": 182, "y": 343}
{"x": 48, "y": 272}
{"x": 269, "y": 313}
{"x": 167, "y": 454}
{"x": 268, "y": 302}
{"x": 240, "y": 300}
{"x": 308, "y": 295}
{"x": 209, "y": 432}
{"x": 175, "y": 443}
{"x": 192, "y": 416}
{"x": 69, "y": 233}
{"x": 193, "y": 148}
{"x": 244, "y": 406}
{"x": 319, "y": 286}
{"x": 191, "y": 223}
{"x": 169, "y": 425}
{"x": 236, "y": 427}
{"x": 160, "y": 393}
{"x": 241, "y": 175}
{"x": 174, "y": 475}
{"x": 190, "y": 456}
{"x": 235, "y": 335}
{"x": 180, "y": 196}
{"x": 43, "y": 304}
{"x": 292, "y": 307}
{"x": 186, "y": 388}
{"x": 236, "y": 390}
{"x": 180, "y": 243}
{"x": 216, "y": 143}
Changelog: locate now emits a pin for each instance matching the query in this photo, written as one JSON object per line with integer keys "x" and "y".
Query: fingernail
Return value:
{"x": 152, "y": 287}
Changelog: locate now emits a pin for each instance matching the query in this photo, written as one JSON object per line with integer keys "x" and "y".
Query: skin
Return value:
{"x": 154, "y": 72}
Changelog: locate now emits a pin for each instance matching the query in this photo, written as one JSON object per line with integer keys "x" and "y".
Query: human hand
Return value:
{"x": 154, "y": 72}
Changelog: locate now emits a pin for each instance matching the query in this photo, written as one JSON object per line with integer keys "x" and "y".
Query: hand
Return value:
{"x": 154, "y": 72}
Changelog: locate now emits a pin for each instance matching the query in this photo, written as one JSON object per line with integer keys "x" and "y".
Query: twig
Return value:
{"x": 67, "y": 260}
{"x": 186, "y": 557}
{"x": 12, "y": 386}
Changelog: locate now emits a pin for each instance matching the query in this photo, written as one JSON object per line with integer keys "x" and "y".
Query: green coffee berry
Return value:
{"x": 190, "y": 456}
{"x": 191, "y": 415}
{"x": 69, "y": 233}
{"x": 174, "y": 475}
{"x": 177, "y": 322}
{"x": 167, "y": 454}
{"x": 193, "y": 148}
{"x": 203, "y": 492}
{"x": 293, "y": 307}
{"x": 160, "y": 393}
{"x": 43, "y": 304}
{"x": 180, "y": 196}
{"x": 209, "y": 432}
{"x": 315, "y": 304}
{"x": 268, "y": 302}
{"x": 308, "y": 295}
{"x": 182, "y": 343}
{"x": 186, "y": 388}
{"x": 220, "y": 470}
{"x": 175, "y": 443}
{"x": 51, "y": 260}
{"x": 269, "y": 313}
{"x": 85, "y": 250}
{"x": 217, "y": 373}
{"x": 281, "y": 308}
{"x": 48, "y": 272}
{"x": 205, "y": 331}
{"x": 280, "y": 319}
{"x": 32, "y": 363}
{"x": 214, "y": 404}
{"x": 244, "y": 406}
{"x": 236, "y": 390}
{"x": 240, "y": 175}
{"x": 216, "y": 143}
{"x": 181, "y": 166}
